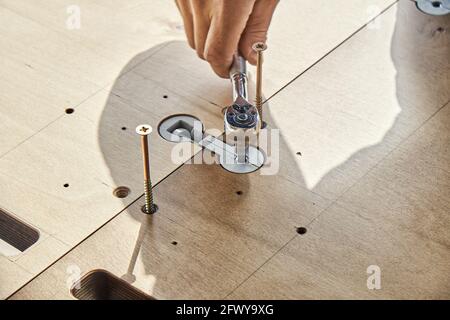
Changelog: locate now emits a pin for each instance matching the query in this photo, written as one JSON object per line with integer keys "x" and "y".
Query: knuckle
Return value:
{"x": 200, "y": 53}
{"x": 215, "y": 56}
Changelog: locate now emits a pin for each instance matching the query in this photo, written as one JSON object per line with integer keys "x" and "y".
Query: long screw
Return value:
{"x": 259, "y": 48}
{"x": 144, "y": 130}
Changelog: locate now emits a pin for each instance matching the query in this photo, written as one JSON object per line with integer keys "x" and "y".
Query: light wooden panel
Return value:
{"x": 395, "y": 218}
{"x": 144, "y": 251}
{"x": 331, "y": 260}
{"x": 372, "y": 100}
{"x": 47, "y": 67}
{"x": 37, "y": 259}
{"x": 90, "y": 151}
{"x": 297, "y": 39}
{"x": 110, "y": 34}
{"x": 358, "y": 104}
{"x": 65, "y": 66}
{"x": 411, "y": 188}
{"x": 32, "y": 95}
{"x": 302, "y": 32}
{"x": 222, "y": 236}
{"x": 11, "y": 276}
{"x": 33, "y": 260}
{"x": 139, "y": 25}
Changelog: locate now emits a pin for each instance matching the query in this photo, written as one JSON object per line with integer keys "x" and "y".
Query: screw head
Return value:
{"x": 259, "y": 46}
{"x": 144, "y": 129}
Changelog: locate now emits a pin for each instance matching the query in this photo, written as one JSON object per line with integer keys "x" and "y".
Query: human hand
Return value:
{"x": 216, "y": 29}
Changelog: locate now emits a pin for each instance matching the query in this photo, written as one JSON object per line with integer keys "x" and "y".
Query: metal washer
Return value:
{"x": 434, "y": 7}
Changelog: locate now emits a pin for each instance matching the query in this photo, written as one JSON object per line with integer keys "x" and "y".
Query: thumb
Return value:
{"x": 256, "y": 28}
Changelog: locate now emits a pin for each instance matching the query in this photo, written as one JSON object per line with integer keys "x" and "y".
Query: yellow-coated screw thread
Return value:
{"x": 150, "y": 207}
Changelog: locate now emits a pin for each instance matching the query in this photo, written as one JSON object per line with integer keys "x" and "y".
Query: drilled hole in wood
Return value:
{"x": 165, "y": 96}
{"x": 70, "y": 110}
{"x": 239, "y": 193}
{"x": 301, "y": 230}
{"x": 153, "y": 209}
{"x": 66, "y": 185}
{"x": 121, "y": 192}
{"x": 124, "y": 128}
{"x": 174, "y": 243}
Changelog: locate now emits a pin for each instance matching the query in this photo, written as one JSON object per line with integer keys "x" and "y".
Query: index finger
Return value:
{"x": 227, "y": 26}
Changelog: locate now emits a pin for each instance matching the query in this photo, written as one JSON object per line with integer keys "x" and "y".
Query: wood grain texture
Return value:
{"x": 37, "y": 259}
{"x": 300, "y": 31}
{"x": 31, "y": 97}
{"x": 114, "y": 71}
{"x": 12, "y": 277}
{"x": 221, "y": 236}
{"x": 296, "y": 40}
{"x": 331, "y": 260}
{"x": 396, "y": 217}
{"x": 48, "y": 67}
{"x": 349, "y": 111}
{"x": 398, "y": 213}
{"x": 344, "y": 116}
{"x": 411, "y": 187}
{"x": 109, "y": 35}
{"x": 90, "y": 152}
{"x": 140, "y": 25}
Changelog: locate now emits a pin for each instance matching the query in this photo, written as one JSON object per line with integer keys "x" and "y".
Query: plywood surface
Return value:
{"x": 342, "y": 124}
{"x": 391, "y": 214}
{"x": 245, "y": 246}
{"x": 222, "y": 236}
{"x": 401, "y": 228}
{"x": 127, "y": 29}
{"x": 114, "y": 72}
{"x": 357, "y": 105}
{"x": 90, "y": 151}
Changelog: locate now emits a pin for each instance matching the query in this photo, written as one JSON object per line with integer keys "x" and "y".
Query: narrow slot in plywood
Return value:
{"x": 15, "y": 235}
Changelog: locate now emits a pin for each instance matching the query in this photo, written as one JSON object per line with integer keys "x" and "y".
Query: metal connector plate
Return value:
{"x": 182, "y": 128}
